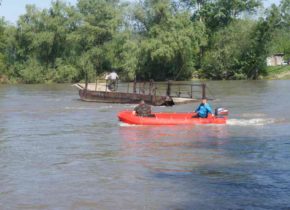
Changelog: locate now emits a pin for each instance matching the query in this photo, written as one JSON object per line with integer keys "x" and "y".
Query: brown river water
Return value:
{"x": 57, "y": 152}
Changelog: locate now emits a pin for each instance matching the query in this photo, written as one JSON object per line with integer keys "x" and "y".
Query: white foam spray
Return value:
{"x": 252, "y": 122}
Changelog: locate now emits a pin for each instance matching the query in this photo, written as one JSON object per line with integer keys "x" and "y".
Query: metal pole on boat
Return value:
{"x": 139, "y": 88}
{"x": 168, "y": 91}
{"x": 144, "y": 87}
{"x": 203, "y": 90}
{"x": 150, "y": 86}
{"x": 86, "y": 85}
{"x": 96, "y": 80}
{"x": 134, "y": 86}
{"x": 191, "y": 94}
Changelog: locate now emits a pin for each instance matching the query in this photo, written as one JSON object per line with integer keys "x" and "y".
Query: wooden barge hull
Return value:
{"x": 124, "y": 98}
{"x": 98, "y": 92}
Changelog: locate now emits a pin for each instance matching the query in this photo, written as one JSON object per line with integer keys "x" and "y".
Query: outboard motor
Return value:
{"x": 221, "y": 112}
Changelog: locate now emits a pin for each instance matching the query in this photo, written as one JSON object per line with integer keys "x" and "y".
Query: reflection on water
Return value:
{"x": 57, "y": 152}
{"x": 172, "y": 146}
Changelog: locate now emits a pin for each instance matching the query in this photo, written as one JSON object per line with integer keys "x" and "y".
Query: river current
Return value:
{"x": 57, "y": 152}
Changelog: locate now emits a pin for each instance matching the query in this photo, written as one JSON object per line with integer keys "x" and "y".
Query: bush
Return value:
{"x": 32, "y": 72}
{"x": 224, "y": 59}
{"x": 66, "y": 73}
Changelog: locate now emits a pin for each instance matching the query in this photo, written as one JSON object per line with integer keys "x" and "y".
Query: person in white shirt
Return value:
{"x": 112, "y": 77}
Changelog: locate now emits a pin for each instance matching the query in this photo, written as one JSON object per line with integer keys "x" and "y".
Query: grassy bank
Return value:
{"x": 278, "y": 72}
{"x": 274, "y": 73}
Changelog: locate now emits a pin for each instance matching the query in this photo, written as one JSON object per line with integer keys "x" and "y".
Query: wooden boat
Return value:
{"x": 107, "y": 96}
{"x": 156, "y": 94}
{"x": 169, "y": 119}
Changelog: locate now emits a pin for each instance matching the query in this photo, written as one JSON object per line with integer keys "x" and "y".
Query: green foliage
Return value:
{"x": 244, "y": 54}
{"x": 255, "y": 57}
{"x": 220, "y": 13}
{"x": 65, "y": 72}
{"x": 225, "y": 58}
{"x": 151, "y": 39}
{"x": 281, "y": 35}
{"x": 285, "y": 13}
{"x": 278, "y": 72}
{"x": 123, "y": 53}
{"x": 280, "y": 42}
{"x": 2, "y": 47}
{"x": 32, "y": 72}
{"x": 171, "y": 44}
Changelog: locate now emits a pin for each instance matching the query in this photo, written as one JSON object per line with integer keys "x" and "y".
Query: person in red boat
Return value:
{"x": 143, "y": 110}
{"x": 203, "y": 110}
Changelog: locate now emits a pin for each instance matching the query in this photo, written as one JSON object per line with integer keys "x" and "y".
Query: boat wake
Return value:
{"x": 122, "y": 124}
{"x": 253, "y": 122}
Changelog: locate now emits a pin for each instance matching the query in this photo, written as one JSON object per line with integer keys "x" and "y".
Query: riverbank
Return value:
{"x": 274, "y": 73}
{"x": 278, "y": 72}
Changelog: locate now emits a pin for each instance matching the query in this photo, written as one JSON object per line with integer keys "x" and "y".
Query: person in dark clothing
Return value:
{"x": 143, "y": 109}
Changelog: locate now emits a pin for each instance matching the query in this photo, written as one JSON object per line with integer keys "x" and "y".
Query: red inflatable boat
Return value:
{"x": 168, "y": 119}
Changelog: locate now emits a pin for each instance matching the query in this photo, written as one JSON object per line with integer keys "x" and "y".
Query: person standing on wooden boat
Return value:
{"x": 203, "y": 109}
{"x": 143, "y": 110}
{"x": 112, "y": 77}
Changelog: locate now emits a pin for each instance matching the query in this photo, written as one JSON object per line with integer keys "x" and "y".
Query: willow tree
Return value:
{"x": 42, "y": 40}
{"x": 99, "y": 21}
{"x": 255, "y": 57}
{"x": 170, "y": 41}
{"x": 225, "y": 58}
{"x": 2, "y": 47}
{"x": 281, "y": 35}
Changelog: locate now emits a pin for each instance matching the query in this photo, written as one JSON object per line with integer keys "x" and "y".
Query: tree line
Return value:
{"x": 148, "y": 39}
